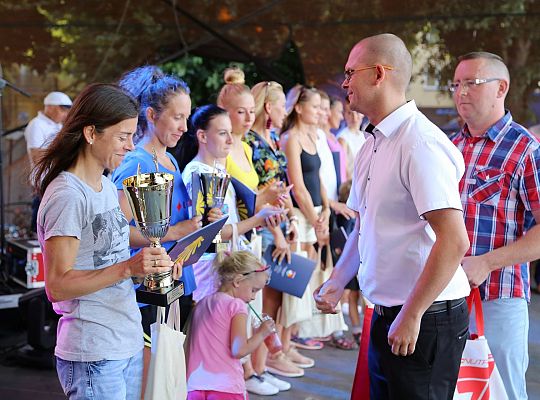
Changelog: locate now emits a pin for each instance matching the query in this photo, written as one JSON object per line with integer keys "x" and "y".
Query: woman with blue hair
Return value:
{"x": 164, "y": 108}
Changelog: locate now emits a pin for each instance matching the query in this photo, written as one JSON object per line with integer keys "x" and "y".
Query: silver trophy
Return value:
{"x": 213, "y": 188}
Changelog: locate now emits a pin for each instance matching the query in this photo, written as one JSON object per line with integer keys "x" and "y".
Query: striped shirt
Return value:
{"x": 500, "y": 189}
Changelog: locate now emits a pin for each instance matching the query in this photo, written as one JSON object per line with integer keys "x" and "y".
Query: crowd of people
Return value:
{"x": 427, "y": 218}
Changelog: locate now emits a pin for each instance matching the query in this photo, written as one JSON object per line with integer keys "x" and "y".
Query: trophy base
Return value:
{"x": 157, "y": 282}
{"x": 162, "y": 297}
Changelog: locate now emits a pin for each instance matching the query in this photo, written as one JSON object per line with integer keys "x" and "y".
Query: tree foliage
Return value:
{"x": 97, "y": 41}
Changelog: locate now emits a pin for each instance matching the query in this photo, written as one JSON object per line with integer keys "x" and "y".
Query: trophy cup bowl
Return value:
{"x": 149, "y": 196}
{"x": 214, "y": 187}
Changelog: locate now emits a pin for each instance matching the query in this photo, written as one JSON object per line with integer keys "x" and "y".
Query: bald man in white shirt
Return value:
{"x": 411, "y": 239}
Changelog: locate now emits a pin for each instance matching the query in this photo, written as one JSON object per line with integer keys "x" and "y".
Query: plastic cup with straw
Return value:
{"x": 272, "y": 341}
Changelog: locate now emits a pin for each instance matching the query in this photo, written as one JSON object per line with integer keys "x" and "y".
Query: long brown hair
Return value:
{"x": 101, "y": 105}
{"x": 297, "y": 95}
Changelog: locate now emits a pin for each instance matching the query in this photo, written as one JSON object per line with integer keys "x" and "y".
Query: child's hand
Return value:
{"x": 267, "y": 327}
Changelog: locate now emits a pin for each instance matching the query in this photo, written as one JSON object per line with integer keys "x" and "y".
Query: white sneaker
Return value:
{"x": 257, "y": 385}
{"x": 271, "y": 379}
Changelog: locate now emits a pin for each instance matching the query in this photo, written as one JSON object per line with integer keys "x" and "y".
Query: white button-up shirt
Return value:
{"x": 40, "y": 131}
{"x": 406, "y": 168}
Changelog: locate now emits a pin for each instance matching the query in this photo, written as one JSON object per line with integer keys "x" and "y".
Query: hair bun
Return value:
{"x": 234, "y": 75}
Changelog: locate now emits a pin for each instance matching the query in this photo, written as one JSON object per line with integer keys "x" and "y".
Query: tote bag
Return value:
{"x": 167, "y": 373}
{"x": 478, "y": 377}
{"x": 320, "y": 324}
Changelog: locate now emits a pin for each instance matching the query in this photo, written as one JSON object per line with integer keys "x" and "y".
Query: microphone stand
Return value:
{"x": 3, "y": 84}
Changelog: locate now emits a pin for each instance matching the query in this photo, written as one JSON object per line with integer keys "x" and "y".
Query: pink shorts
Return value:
{"x": 213, "y": 395}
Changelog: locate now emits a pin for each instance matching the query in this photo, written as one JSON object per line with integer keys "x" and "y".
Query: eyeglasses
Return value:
{"x": 468, "y": 83}
{"x": 350, "y": 72}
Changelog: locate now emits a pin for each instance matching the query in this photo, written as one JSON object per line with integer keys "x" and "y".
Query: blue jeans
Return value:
{"x": 105, "y": 379}
{"x": 506, "y": 324}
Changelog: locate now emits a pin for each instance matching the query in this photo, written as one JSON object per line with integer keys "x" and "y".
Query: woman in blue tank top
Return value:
{"x": 165, "y": 106}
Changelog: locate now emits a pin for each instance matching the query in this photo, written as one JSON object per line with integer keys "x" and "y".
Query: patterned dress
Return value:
{"x": 270, "y": 164}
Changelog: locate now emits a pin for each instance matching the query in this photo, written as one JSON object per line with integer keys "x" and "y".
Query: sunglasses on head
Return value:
{"x": 262, "y": 269}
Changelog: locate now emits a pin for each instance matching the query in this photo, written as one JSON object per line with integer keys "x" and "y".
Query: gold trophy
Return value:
{"x": 213, "y": 188}
{"x": 149, "y": 196}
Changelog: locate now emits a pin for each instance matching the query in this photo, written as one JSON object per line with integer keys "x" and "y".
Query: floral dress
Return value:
{"x": 270, "y": 164}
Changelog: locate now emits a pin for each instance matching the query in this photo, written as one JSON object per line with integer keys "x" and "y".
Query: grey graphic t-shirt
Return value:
{"x": 105, "y": 325}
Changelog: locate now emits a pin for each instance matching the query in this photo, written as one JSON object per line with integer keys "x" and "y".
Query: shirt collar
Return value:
{"x": 393, "y": 121}
{"x": 495, "y": 131}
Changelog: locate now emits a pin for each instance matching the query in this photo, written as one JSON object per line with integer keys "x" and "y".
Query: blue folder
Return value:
{"x": 245, "y": 199}
{"x": 191, "y": 247}
{"x": 290, "y": 278}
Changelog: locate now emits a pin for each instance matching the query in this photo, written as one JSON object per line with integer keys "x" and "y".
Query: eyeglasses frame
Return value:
{"x": 348, "y": 73}
{"x": 466, "y": 84}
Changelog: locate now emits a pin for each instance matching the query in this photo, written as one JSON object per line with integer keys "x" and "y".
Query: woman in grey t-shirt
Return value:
{"x": 84, "y": 238}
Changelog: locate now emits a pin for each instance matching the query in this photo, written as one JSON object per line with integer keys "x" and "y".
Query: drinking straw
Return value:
{"x": 255, "y": 312}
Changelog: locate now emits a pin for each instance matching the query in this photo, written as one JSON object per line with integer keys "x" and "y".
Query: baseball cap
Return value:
{"x": 57, "y": 99}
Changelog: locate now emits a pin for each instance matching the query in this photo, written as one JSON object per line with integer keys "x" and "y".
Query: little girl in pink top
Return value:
{"x": 218, "y": 337}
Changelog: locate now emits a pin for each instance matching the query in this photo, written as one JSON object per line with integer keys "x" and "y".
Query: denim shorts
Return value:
{"x": 105, "y": 379}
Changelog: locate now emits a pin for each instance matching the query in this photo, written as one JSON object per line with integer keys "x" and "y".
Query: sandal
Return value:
{"x": 343, "y": 343}
{"x": 356, "y": 337}
{"x": 306, "y": 343}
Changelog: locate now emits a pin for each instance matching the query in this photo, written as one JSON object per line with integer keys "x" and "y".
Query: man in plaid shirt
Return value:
{"x": 500, "y": 192}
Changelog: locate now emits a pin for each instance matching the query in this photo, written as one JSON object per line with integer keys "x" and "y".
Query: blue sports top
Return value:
{"x": 181, "y": 201}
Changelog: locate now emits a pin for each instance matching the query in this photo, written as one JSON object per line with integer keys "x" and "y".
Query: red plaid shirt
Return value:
{"x": 500, "y": 188}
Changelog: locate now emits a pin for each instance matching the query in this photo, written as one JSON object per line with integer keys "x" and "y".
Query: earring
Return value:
{"x": 268, "y": 123}
{"x": 90, "y": 142}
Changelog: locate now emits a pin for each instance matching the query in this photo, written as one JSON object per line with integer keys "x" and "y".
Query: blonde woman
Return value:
{"x": 235, "y": 97}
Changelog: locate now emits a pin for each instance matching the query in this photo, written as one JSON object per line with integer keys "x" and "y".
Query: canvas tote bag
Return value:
{"x": 320, "y": 324}
{"x": 167, "y": 373}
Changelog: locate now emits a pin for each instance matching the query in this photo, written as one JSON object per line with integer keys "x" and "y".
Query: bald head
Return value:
{"x": 387, "y": 49}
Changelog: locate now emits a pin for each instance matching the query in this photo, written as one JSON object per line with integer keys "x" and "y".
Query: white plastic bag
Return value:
{"x": 478, "y": 375}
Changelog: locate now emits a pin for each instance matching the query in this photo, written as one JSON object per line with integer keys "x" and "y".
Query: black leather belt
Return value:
{"x": 435, "y": 308}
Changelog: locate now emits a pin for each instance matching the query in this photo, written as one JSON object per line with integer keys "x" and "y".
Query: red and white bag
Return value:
{"x": 478, "y": 378}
